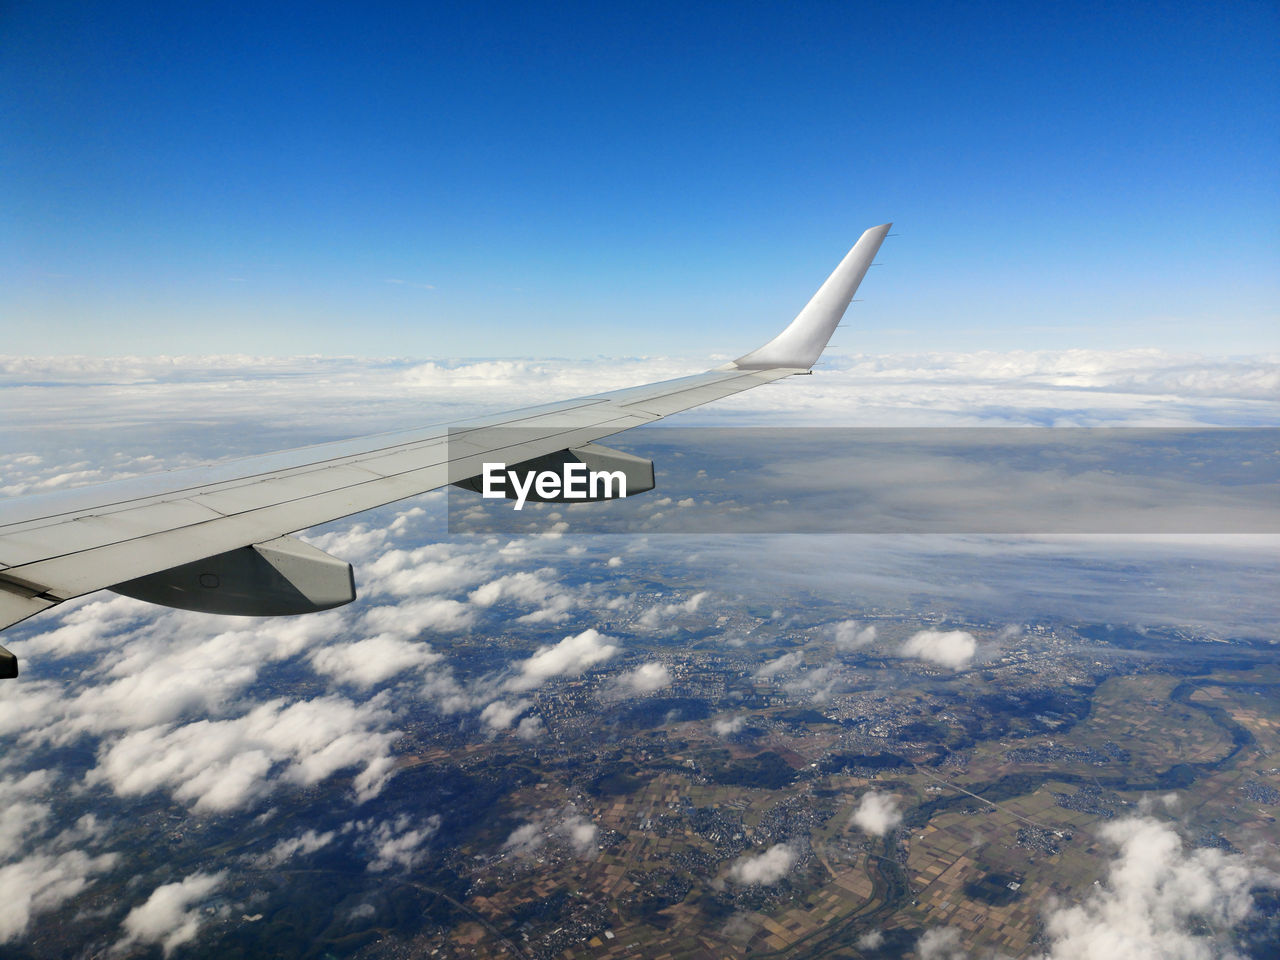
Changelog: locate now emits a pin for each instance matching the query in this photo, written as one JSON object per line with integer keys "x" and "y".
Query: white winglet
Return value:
{"x": 802, "y": 342}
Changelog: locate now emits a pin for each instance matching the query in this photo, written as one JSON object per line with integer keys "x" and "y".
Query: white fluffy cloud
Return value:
{"x": 568, "y": 658}
{"x": 657, "y": 614}
{"x": 22, "y": 810}
{"x": 158, "y": 668}
{"x": 57, "y": 866}
{"x": 646, "y": 678}
{"x": 89, "y": 624}
{"x": 870, "y": 940}
{"x": 371, "y": 661}
{"x": 530, "y": 728}
{"x": 428, "y": 570}
{"x": 219, "y": 765}
{"x": 765, "y": 868}
{"x": 501, "y": 714}
{"x": 950, "y": 648}
{"x": 309, "y": 841}
{"x": 816, "y": 685}
{"x": 172, "y": 665}
{"x": 170, "y": 703}
{"x": 1158, "y": 901}
{"x": 727, "y": 726}
{"x": 171, "y": 916}
{"x": 783, "y": 664}
{"x": 409, "y": 618}
{"x": 525, "y": 839}
{"x": 877, "y": 814}
{"x": 399, "y": 843}
{"x": 540, "y": 589}
{"x": 569, "y": 827}
{"x": 579, "y": 833}
{"x": 941, "y": 943}
{"x": 852, "y": 635}
{"x": 43, "y": 882}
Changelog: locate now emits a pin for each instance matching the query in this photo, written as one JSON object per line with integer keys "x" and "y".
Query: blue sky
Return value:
{"x": 582, "y": 179}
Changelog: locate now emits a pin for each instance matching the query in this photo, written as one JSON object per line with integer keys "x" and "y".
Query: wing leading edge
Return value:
{"x": 54, "y": 547}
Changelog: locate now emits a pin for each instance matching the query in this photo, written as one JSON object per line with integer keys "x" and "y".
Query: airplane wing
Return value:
{"x": 215, "y": 538}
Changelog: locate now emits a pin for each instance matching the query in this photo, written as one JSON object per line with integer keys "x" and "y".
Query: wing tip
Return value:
{"x": 802, "y": 342}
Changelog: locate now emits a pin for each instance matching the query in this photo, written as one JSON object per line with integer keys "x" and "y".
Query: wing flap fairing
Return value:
{"x": 279, "y": 578}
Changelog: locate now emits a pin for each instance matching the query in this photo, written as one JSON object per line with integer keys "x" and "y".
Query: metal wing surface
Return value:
{"x": 61, "y": 545}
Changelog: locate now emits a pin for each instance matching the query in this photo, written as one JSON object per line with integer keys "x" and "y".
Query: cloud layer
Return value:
{"x": 156, "y": 702}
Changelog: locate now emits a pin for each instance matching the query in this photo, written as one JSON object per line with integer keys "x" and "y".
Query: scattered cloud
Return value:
{"x": 171, "y": 916}
{"x": 42, "y": 882}
{"x": 501, "y": 714}
{"x": 362, "y": 911}
{"x": 525, "y": 839}
{"x": 425, "y": 571}
{"x": 580, "y": 833}
{"x": 163, "y": 694}
{"x": 371, "y": 661}
{"x": 951, "y": 648}
{"x": 941, "y": 943}
{"x": 727, "y": 726}
{"x": 410, "y": 618}
{"x": 568, "y": 658}
{"x": 1158, "y": 899}
{"x": 659, "y": 613}
{"x": 870, "y": 940}
{"x": 740, "y": 926}
{"x": 540, "y": 589}
{"x": 852, "y": 635}
{"x": 220, "y": 765}
{"x": 90, "y": 625}
{"x": 815, "y": 685}
{"x": 576, "y": 832}
{"x": 877, "y": 814}
{"x": 783, "y": 664}
{"x": 399, "y": 843}
{"x": 644, "y": 679}
{"x": 765, "y": 868}
{"x": 22, "y": 811}
{"x": 309, "y": 841}
{"x": 531, "y": 728}
{"x": 58, "y": 866}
